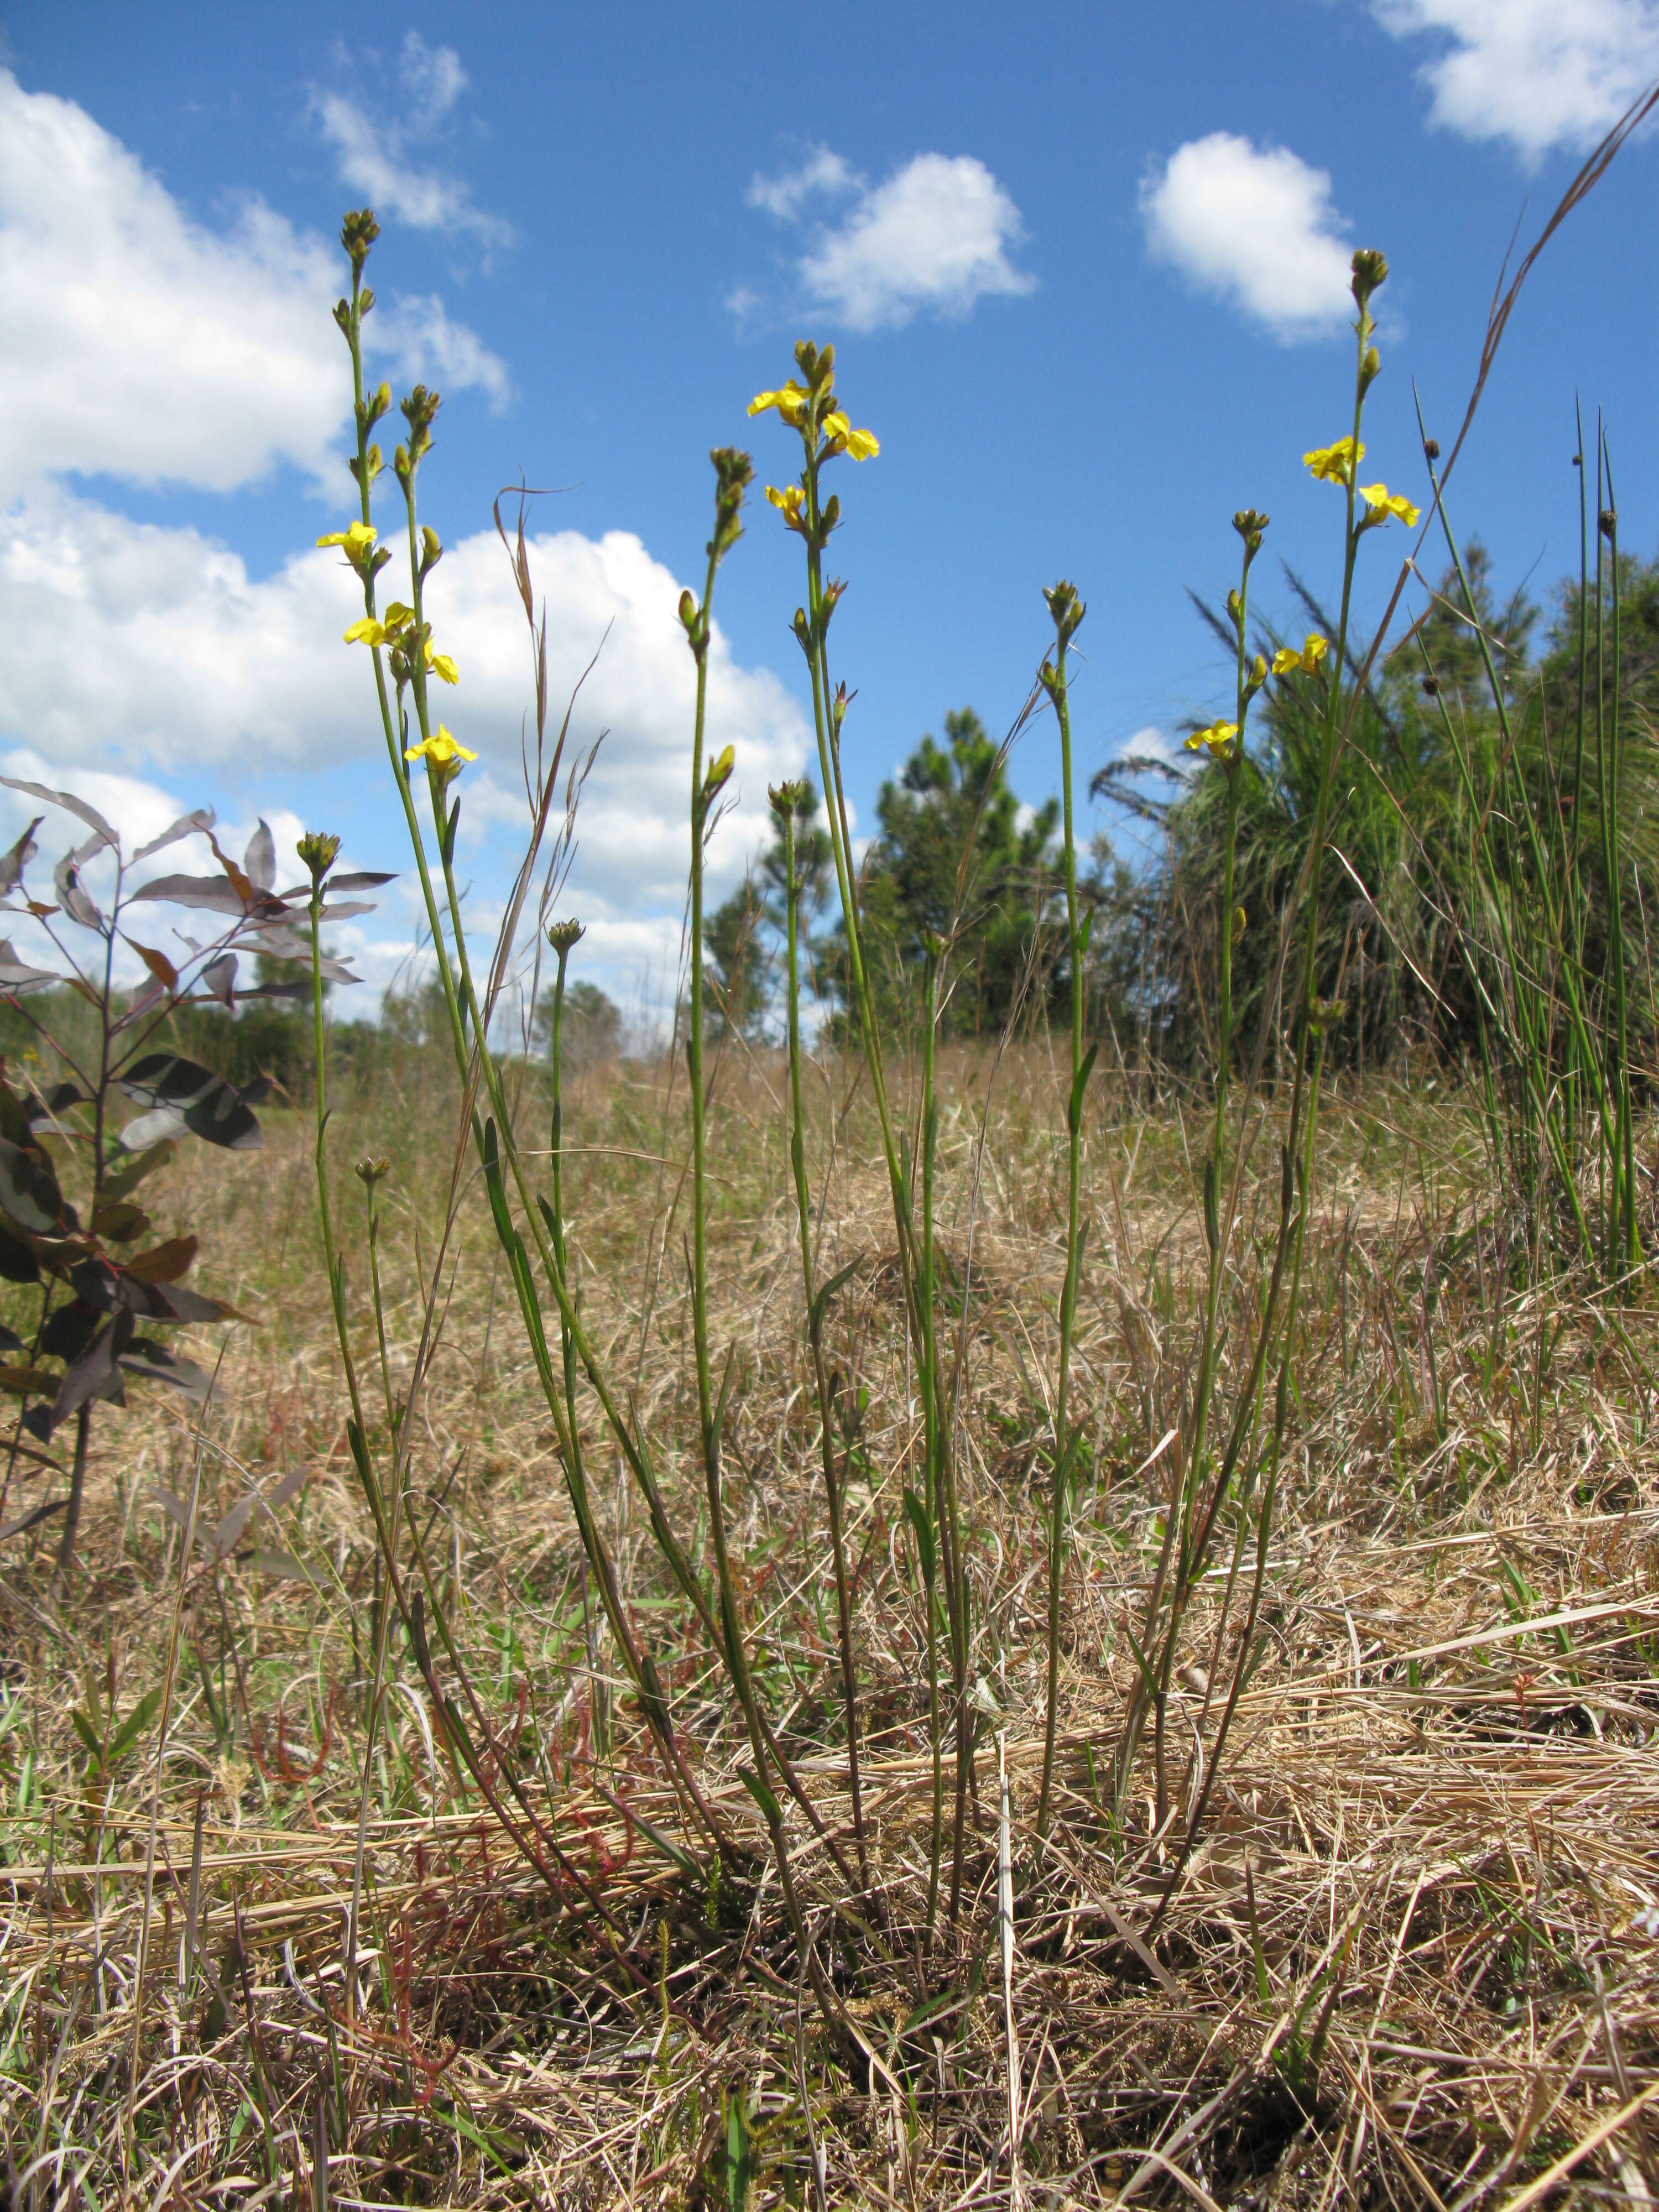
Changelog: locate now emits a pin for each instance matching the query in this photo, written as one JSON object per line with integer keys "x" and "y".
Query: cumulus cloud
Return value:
{"x": 1253, "y": 226}
{"x": 822, "y": 173}
{"x": 131, "y": 645}
{"x": 136, "y": 342}
{"x": 373, "y": 151}
{"x": 1538, "y": 73}
{"x": 936, "y": 237}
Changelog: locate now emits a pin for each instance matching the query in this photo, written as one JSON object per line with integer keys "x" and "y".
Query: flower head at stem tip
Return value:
{"x": 1218, "y": 738}
{"x": 439, "y": 750}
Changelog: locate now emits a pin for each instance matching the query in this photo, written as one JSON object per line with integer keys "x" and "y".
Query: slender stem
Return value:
{"x": 1064, "y": 1447}
{"x": 930, "y": 1423}
{"x": 793, "y": 889}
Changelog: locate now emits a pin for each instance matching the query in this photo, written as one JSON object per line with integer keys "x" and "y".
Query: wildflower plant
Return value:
{"x": 1224, "y": 1473}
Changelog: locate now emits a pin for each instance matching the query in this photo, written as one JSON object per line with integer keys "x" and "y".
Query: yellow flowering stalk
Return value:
{"x": 1218, "y": 738}
{"x": 439, "y": 750}
{"x": 1336, "y": 463}
{"x": 355, "y": 540}
{"x": 1287, "y": 661}
{"x": 1382, "y": 503}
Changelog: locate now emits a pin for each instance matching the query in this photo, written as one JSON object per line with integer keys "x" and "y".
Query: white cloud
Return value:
{"x": 371, "y": 152}
{"x": 935, "y": 238}
{"x": 138, "y": 343}
{"x": 416, "y": 331}
{"x": 1542, "y": 74}
{"x": 432, "y": 77}
{"x": 1253, "y": 226}
{"x": 132, "y": 646}
{"x": 824, "y": 174}
{"x": 1152, "y": 744}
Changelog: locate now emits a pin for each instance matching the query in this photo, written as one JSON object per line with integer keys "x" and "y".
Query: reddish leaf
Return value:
{"x": 164, "y": 1263}
{"x": 157, "y": 963}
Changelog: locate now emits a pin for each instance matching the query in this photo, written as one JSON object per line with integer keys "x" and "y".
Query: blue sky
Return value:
{"x": 1085, "y": 269}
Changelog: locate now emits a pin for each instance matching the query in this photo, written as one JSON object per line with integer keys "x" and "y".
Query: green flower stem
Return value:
{"x": 653, "y": 1701}
{"x": 1065, "y": 1447}
{"x": 932, "y": 1424}
{"x": 813, "y": 629}
{"x": 815, "y": 1332}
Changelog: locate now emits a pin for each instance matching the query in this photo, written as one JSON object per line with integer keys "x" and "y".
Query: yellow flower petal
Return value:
{"x": 789, "y": 402}
{"x": 1216, "y": 737}
{"x": 441, "y": 749}
{"x": 366, "y": 632}
{"x": 441, "y": 664}
{"x": 356, "y": 537}
{"x": 1288, "y": 661}
{"x": 1382, "y": 501}
{"x": 791, "y": 502}
{"x": 862, "y": 445}
{"x": 1335, "y": 463}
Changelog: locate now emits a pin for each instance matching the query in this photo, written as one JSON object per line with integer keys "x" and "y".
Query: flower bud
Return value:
{"x": 1239, "y": 919}
{"x": 688, "y": 610}
{"x": 318, "y": 851}
{"x": 1067, "y": 608}
{"x": 1370, "y": 269}
{"x": 1370, "y": 369}
{"x": 372, "y": 1169}
{"x": 1236, "y": 608}
{"x": 562, "y": 936}
{"x": 357, "y": 234}
{"x": 1250, "y": 525}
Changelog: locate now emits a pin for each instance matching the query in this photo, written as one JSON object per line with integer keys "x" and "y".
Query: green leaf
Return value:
{"x": 135, "y": 1723}
{"x": 87, "y": 1733}
{"x": 916, "y": 1512}
{"x": 1079, "y": 1085}
{"x": 762, "y": 1796}
{"x": 1148, "y": 1679}
{"x": 826, "y": 1294}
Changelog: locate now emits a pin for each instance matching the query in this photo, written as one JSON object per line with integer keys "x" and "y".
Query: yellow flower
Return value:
{"x": 441, "y": 664}
{"x": 368, "y": 631}
{"x": 1336, "y": 463}
{"x": 859, "y": 445}
{"x": 1218, "y": 738}
{"x": 790, "y": 403}
{"x": 441, "y": 749}
{"x": 1287, "y": 661}
{"x": 790, "y": 503}
{"x": 1382, "y": 503}
{"x": 356, "y": 539}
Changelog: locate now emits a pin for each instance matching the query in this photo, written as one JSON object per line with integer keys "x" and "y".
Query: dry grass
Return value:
{"x": 1414, "y": 1959}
